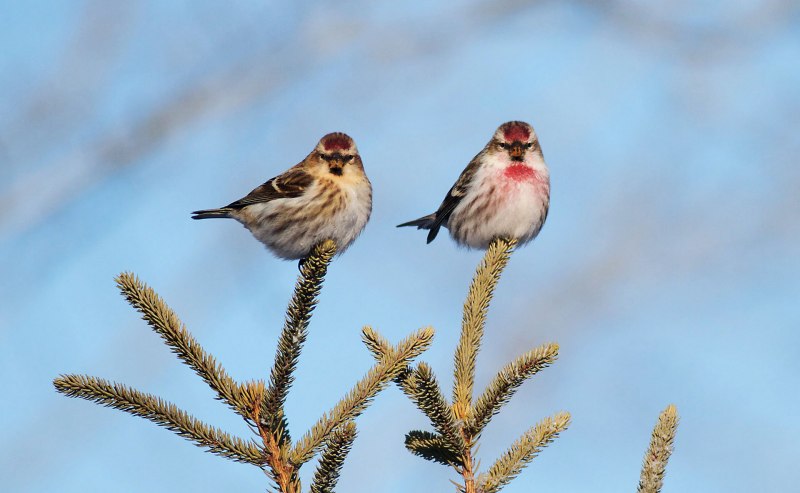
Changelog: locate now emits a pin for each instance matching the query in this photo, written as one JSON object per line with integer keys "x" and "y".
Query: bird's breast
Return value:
{"x": 517, "y": 178}
{"x": 519, "y": 172}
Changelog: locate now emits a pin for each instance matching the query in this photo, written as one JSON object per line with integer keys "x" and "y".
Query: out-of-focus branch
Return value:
{"x": 661, "y": 444}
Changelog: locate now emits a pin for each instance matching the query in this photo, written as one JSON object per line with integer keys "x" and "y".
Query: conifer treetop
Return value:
{"x": 261, "y": 404}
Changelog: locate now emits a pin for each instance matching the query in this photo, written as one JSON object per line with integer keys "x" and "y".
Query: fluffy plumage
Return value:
{"x": 325, "y": 196}
{"x": 503, "y": 192}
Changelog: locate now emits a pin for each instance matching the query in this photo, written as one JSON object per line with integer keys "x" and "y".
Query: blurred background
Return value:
{"x": 668, "y": 270}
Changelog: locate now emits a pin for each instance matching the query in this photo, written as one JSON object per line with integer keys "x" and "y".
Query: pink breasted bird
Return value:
{"x": 503, "y": 192}
{"x": 325, "y": 196}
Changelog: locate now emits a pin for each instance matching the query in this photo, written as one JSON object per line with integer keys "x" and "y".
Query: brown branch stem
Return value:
{"x": 468, "y": 473}
{"x": 282, "y": 470}
{"x": 468, "y": 469}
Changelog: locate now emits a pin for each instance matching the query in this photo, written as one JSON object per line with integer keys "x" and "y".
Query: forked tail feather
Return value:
{"x": 426, "y": 222}
{"x": 211, "y": 213}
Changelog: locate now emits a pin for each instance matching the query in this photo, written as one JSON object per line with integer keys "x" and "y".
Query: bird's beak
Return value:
{"x": 517, "y": 151}
{"x": 336, "y": 165}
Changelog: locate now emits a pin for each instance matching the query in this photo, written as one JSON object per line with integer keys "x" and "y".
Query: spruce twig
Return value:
{"x": 162, "y": 413}
{"x": 332, "y": 460}
{"x": 459, "y": 425}
{"x": 165, "y": 323}
{"x": 429, "y": 446}
{"x": 428, "y": 397}
{"x": 293, "y": 335}
{"x": 376, "y": 344}
{"x": 381, "y": 348}
{"x": 528, "y": 446}
{"x": 500, "y": 390}
{"x": 357, "y": 399}
{"x": 661, "y": 445}
{"x": 475, "y": 309}
{"x": 433, "y": 447}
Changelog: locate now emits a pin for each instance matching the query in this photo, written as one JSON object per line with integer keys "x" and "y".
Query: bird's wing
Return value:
{"x": 456, "y": 193}
{"x": 290, "y": 184}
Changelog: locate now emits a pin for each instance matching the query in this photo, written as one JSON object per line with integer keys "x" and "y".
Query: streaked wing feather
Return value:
{"x": 288, "y": 185}
{"x": 456, "y": 193}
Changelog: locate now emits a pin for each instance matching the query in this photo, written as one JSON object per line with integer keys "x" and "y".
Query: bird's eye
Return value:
{"x": 504, "y": 146}
{"x": 347, "y": 159}
{"x": 528, "y": 145}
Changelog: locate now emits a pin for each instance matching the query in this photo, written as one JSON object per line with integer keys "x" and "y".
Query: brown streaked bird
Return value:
{"x": 503, "y": 192}
{"x": 325, "y": 196}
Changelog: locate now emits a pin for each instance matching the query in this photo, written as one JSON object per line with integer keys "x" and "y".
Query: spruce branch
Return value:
{"x": 506, "y": 383}
{"x": 381, "y": 348}
{"x": 446, "y": 446}
{"x": 433, "y": 447}
{"x": 260, "y": 403}
{"x": 165, "y": 323}
{"x": 458, "y": 426}
{"x": 162, "y": 413}
{"x": 521, "y": 452}
{"x": 251, "y": 393}
{"x": 280, "y": 470}
{"x": 294, "y": 333}
{"x": 428, "y": 397}
{"x": 359, "y": 397}
{"x": 376, "y": 344}
{"x": 474, "y": 318}
{"x": 332, "y": 460}
{"x": 661, "y": 446}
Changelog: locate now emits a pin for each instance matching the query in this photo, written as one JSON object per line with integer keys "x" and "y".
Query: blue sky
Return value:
{"x": 667, "y": 270}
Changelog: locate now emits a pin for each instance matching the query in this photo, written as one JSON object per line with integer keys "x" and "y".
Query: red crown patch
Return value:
{"x": 516, "y": 131}
{"x": 336, "y": 143}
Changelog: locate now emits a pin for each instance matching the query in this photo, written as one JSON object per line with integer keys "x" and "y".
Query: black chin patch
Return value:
{"x": 337, "y": 171}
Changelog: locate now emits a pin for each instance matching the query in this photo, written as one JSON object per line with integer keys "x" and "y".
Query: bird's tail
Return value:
{"x": 209, "y": 213}
{"x": 421, "y": 223}
{"x": 427, "y": 222}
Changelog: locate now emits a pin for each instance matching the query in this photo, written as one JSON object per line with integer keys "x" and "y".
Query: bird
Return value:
{"x": 504, "y": 192}
{"x": 327, "y": 195}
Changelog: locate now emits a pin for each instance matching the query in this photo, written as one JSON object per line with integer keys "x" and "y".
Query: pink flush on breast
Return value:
{"x": 520, "y": 172}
